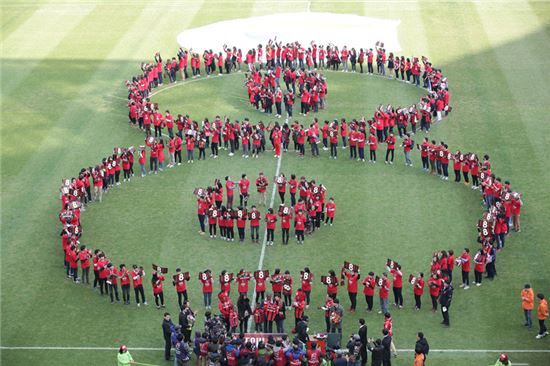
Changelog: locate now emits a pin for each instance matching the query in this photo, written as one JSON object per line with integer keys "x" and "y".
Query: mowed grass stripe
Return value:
{"x": 519, "y": 20}
{"x": 25, "y": 43}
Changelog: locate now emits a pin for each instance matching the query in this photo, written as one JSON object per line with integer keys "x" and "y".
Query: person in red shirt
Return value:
{"x": 261, "y": 185}
{"x": 306, "y": 278}
{"x": 260, "y": 279}
{"x": 112, "y": 282}
{"x": 299, "y": 226}
{"x": 281, "y": 186}
{"x": 390, "y": 142}
{"x": 244, "y": 185}
{"x": 369, "y": 283}
{"x": 284, "y": 213}
{"x": 516, "y": 211}
{"x": 242, "y": 282}
{"x": 137, "y": 279}
{"x": 450, "y": 264}
{"x": 330, "y": 211}
{"x": 271, "y": 220}
{"x": 225, "y": 282}
{"x": 383, "y": 293}
{"x": 397, "y": 286}
{"x": 352, "y": 280}
{"x": 84, "y": 256}
{"x": 206, "y": 281}
{"x": 373, "y": 146}
{"x": 213, "y": 214}
{"x": 259, "y": 317}
{"x": 254, "y": 217}
{"x": 124, "y": 276}
{"x": 435, "y": 285}
{"x": 293, "y": 184}
{"x": 464, "y": 262}
{"x": 230, "y": 186}
{"x": 180, "y": 283}
{"x": 241, "y": 222}
{"x": 158, "y": 292}
{"x": 418, "y": 290}
{"x": 479, "y": 267}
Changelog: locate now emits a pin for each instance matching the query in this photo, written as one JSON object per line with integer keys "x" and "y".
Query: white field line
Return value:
{"x": 405, "y": 350}
{"x": 308, "y": 8}
{"x": 264, "y": 241}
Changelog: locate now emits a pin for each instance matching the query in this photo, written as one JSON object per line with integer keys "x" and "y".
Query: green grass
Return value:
{"x": 59, "y": 112}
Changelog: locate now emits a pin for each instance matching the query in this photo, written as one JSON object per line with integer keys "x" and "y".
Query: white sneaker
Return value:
{"x": 466, "y": 287}
{"x": 478, "y": 284}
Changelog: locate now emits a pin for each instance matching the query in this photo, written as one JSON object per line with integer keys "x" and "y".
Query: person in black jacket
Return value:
{"x": 364, "y": 341}
{"x": 167, "y": 327}
{"x": 377, "y": 350}
{"x": 301, "y": 329}
{"x": 386, "y": 343}
{"x": 244, "y": 310}
{"x": 445, "y": 301}
{"x": 422, "y": 344}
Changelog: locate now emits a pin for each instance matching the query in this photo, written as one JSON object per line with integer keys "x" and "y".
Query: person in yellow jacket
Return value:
{"x": 542, "y": 314}
{"x": 528, "y": 304}
{"x": 124, "y": 358}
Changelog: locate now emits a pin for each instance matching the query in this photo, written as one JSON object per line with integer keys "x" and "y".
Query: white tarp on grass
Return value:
{"x": 340, "y": 29}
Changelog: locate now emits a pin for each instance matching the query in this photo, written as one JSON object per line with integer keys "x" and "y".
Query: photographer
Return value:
{"x": 354, "y": 347}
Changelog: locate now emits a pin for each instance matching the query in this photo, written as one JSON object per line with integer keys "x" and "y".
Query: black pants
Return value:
{"x": 369, "y": 67}
{"x": 126, "y": 293}
{"x": 214, "y": 148}
{"x": 201, "y": 222}
{"x": 475, "y": 180}
{"x": 425, "y": 162}
{"x": 241, "y": 233}
{"x": 285, "y": 235}
{"x": 457, "y": 175}
{"x": 333, "y": 150}
{"x": 270, "y": 234}
{"x": 327, "y": 323}
{"x": 388, "y": 153}
{"x": 255, "y": 232}
{"x": 363, "y": 350}
{"x": 398, "y": 296}
{"x": 178, "y": 156}
{"x": 478, "y": 276}
{"x": 212, "y": 229}
{"x": 167, "y": 348}
{"x": 331, "y": 219}
{"x": 434, "y": 302}
{"x": 103, "y": 286}
{"x": 465, "y": 174}
{"x": 293, "y": 199}
{"x": 353, "y": 299}
{"x": 182, "y": 296}
{"x": 159, "y": 299}
{"x": 243, "y": 324}
{"x": 445, "y": 314}
{"x": 445, "y": 169}
{"x": 308, "y": 294}
{"x": 230, "y": 233}
{"x": 300, "y": 235}
{"x": 542, "y": 327}
{"x": 113, "y": 292}
{"x": 369, "y": 301}
{"x": 260, "y": 295}
{"x": 372, "y": 155}
{"x": 418, "y": 301}
{"x": 353, "y": 151}
{"x": 288, "y": 299}
{"x": 139, "y": 290}
{"x": 282, "y": 196}
{"x": 96, "y": 279}
{"x": 466, "y": 278}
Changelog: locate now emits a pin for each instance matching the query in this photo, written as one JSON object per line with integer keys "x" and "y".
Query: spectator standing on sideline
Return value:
{"x": 364, "y": 340}
{"x": 167, "y": 327}
{"x": 542, "y": 314}
{"x": 386, "y": 343}
{"x": 445, "y": 301}
{"x": 527, "y": 303}
{"x": 422, "y": 346}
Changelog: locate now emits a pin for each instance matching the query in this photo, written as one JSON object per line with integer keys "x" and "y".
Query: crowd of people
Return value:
{"x": 306, "y": 211}
{"x": 502, "y": 204}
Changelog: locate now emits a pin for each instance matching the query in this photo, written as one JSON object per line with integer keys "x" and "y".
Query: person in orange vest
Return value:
{"x": 527, "y": 303}
{"x": 542, "y": 314}
{"x": 419, "y": 357}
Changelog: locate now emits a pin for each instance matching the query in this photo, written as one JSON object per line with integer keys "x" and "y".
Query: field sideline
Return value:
{"x": 63, "y": 64}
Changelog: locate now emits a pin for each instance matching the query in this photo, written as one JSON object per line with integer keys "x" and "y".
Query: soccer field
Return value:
{"x": 63, "y": 66}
